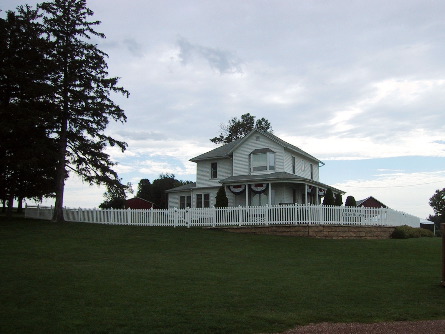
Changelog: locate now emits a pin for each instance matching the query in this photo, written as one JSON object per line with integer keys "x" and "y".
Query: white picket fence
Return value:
{"x": 235, "y": 216}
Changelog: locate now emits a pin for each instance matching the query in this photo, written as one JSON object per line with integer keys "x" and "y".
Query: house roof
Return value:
{"x": 360, "y": 202}
{"x": 219, "y": 152}
{"x": 227, "y": 149}
{"x": 138, "y": 198}
{"x": 276, "y": 177}
{"x": 184, "y": 187}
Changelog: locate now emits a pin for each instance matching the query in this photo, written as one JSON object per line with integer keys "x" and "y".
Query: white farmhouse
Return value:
{"x": 259, "y": 169}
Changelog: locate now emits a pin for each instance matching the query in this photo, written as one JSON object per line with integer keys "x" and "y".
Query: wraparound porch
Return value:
{"x": 274, "y": 189}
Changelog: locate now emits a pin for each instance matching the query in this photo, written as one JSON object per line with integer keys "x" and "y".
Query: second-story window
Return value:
{"x": 262, "y": 160}
{"x": 214, "y": 170}
{"x": 294, "y": 163}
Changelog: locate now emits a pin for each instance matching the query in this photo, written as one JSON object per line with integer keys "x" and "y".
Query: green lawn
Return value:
{"x": 85, "y": 278}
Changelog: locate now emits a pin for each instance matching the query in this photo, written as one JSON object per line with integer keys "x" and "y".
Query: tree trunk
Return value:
{"x": 61, "y": 175}
{"x": 10, "y": 205}
{"x": 60, "y": 182}
{"x": 20, "y": 205}
{"x": 63, "y": 139}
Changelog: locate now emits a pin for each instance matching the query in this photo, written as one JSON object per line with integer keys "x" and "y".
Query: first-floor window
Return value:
{"x": 185, "y": 202}
{"x": 202, "y": 200}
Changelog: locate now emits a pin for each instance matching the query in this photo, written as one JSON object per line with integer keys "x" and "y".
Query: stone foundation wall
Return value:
{"x": 321, "y": 231}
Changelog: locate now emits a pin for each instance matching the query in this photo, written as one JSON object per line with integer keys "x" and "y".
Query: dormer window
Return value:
{"x": 262, "y": 160}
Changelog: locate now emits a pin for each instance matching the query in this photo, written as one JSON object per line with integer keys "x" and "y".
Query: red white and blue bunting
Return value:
{"x": 311, "y": 190}
{"x": 237, "y": 189}
{"x": 259, "y": 187}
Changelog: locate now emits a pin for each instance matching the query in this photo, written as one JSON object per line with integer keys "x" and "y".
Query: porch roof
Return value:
{"x": 278, "y": 177}
{"x": 184, "y": 187}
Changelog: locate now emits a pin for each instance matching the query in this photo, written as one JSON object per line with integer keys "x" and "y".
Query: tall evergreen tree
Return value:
{"x": 144, "y": 189}
{"x": 81, "y": 95}
{"x": 28, "y": 160}
{"x": 329, "y": 198}
{"x": 238, "y": 128}
{"x": 221, "y": 200}
{"x": 338, "y": 200}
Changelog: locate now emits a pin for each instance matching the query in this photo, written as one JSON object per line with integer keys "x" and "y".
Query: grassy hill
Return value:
{"x": 85, "y": 278}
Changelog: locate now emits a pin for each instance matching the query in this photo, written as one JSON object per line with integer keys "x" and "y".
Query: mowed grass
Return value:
{"x": 85, "y": 278}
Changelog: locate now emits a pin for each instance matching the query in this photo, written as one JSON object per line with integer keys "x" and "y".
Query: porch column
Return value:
{"x": 270, "y": 195}
{"x": 247, "y": 195}
{"x": 317, "y": 200}
{"x": 305, "y": 194}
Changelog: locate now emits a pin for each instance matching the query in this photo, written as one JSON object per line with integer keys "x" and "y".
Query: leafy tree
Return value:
{"x": 338, "y": 200}
{"x": 329, "y": 197}
{"x": 28, "y": 155}
{"x": 221, "y": 198}
{"x": 350, "y": 201}
{"x": 238, "y": 128}
{"x": 115, "y": 197}
{"x": 81, "y": 90}
{"x": 144, "y": 189}
{"x": 159, "y": 187}
{"x": 437, "y": 202}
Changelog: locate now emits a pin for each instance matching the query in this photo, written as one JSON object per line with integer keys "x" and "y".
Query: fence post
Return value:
{"x": 443, "y": 254}
{"x": 214, "y": 216}
{"x": 175, "y": 218}
{"x": 188, "y": 217}
{"x": 128, "y": 216}
{"x": 150, "y": 217}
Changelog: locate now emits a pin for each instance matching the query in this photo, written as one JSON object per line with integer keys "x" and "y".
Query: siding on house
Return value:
{"x": 174, "y": 197}
{"x": 203, "y": 177}
{"x": 241, "y": 156}
{"x": 302, "y": 166}
{"x": 212, "y": 195}
{"x": 291, "y": 174}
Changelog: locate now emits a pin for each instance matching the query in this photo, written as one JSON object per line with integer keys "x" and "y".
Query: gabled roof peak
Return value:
{"x": 227, "y": 149}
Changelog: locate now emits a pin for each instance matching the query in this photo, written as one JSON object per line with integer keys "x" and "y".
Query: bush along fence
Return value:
{"x": 235, "y": 216}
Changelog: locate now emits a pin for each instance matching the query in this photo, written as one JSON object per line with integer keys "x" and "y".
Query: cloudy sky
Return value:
{"x": 358, "y": 84}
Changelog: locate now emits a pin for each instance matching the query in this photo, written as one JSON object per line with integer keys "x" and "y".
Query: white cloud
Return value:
{"x": 407, "y": 192}
{"x": 340, "y": 80}
{"x": 78, "y": 194}
{"x": 414, "y": 143}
